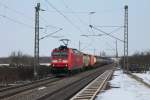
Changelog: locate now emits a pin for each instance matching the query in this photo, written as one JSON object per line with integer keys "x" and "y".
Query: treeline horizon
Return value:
{"x": 139, "y": 58}
{"x": 17, "y": 57}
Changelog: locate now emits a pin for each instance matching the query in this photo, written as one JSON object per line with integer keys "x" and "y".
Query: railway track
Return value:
{"x": 12, "y": 90}
{"x": 68, "y": 91}
{"x": 61, "y": 89}
{"x": 17, "y": 86}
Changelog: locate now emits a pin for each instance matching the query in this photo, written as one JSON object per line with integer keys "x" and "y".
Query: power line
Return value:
{"x": 70, "y": 12}
{"x": 109, "y": 26}
{"x": 101, "y": 34}
{"x": 20, "y": 13}
{"x": 16, "y": 21}
{"x": 15, "y": 11}
{"x": 88, "y": 45}
{"x": 63, "y": 15}
{"x": 92, "y": 35}
{"x": 43, "y": 19}
{"x": 81, "y": 21}
{"x": 76, "y": 12}
{"x": 50, "y": 34}
{"x": 115, "y": 30}
{"x": 106, "y": 33}
{"x": 52, "y": 26}
{"x": 57, "y": 36}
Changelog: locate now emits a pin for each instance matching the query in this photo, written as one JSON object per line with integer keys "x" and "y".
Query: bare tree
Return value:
{"x": 20, "y": 59}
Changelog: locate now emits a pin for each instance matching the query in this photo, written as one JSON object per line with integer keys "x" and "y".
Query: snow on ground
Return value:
{"x": 129, "y": 89}
{"x": 144, "y": 76}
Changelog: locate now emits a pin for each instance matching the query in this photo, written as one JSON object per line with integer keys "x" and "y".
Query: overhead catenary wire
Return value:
{"x": 16, "y": 11}
{"x": 81, "y": 21}
{"x": 50, "y": 34}
{"x": 88, "y": 45}
{"x": 67, "y": 19}
{"x": 16, "y": 21}
{"x": 21, "y": 13}
{"x": 113, "y": 31}
{"x": 52, "y": 26}
{"x": 57, "y": 36}
{"x": 76, "y": 12}
{"x": 108, "y": 26}
{"x": 116, "y": 30}
{"x": 106, "y": 33}
{"x": 70, "y": 12}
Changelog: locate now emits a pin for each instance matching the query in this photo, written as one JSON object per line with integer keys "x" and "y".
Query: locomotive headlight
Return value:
{"x": 54, "y": 61}
{"x": 65, "y": 61}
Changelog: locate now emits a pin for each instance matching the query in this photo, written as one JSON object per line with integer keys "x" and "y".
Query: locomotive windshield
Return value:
{"x": 59, "y": 54}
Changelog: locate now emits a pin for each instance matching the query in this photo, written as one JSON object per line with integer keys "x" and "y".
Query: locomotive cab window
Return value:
{"x": 59, "y": 54}
{"x": 75, "y": 51}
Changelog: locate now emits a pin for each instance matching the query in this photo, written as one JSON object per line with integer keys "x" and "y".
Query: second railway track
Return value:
{"x": 10, "y": 91}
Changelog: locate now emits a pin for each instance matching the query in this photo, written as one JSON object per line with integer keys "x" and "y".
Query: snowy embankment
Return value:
{"x": 124, "y": 88}
{"x": 144, "y": 76}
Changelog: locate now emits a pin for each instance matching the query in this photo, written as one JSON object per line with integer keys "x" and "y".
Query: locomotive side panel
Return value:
{"x": 78, "y": 61}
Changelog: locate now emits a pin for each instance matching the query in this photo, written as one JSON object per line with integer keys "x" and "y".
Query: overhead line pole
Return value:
{"x": 126, "y": 38}
{"x": 116, "y": 54}
{"x": 79, "y": 45}
{"x": 116, "y": 50}
{"x": 36, "y": 45}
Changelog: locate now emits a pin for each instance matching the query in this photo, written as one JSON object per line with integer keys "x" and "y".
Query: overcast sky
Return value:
{"x": 17, "y": 25}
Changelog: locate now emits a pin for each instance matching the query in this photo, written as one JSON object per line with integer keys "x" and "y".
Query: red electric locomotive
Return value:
{"x": 66, "y": 59}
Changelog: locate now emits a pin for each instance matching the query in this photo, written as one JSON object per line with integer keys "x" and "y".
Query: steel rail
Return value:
{"x": 66, "y": 92}
{"x": 17, "y": 86}
{"x": 21, "y": 88}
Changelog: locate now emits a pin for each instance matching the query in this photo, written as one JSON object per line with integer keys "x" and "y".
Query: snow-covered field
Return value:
{"x": 144, "y": 76}
{"x": 129, "y": 89}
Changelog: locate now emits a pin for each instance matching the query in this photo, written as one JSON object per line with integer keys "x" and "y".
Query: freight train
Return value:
{"x": 66, "y": 60}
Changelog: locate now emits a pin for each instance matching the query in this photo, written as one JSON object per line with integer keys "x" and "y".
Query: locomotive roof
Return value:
{"x": 66, "y": 48}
